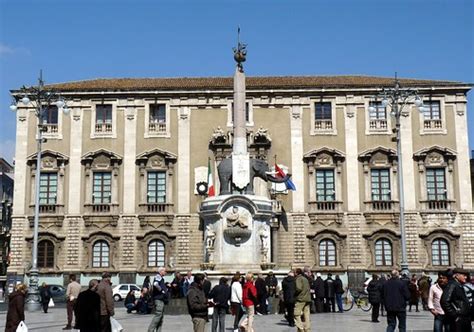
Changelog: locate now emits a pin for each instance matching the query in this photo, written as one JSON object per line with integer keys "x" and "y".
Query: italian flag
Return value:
{"x": 210, "y": 182}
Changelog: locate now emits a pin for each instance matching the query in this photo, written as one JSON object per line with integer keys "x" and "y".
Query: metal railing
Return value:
{"x": 103, "y": 128}
{"x": 48, "y": 208}
{"x": 388, "y": 206}
{"x": 158, "y": 208}
{"x": 102, "y": 208}
{"x": 324, "y": 206}
{"x": 50, "y": 128}
{"x": 437, "y": 205}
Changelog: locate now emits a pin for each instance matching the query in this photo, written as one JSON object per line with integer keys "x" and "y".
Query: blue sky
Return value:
{"x": 76, "y": 40}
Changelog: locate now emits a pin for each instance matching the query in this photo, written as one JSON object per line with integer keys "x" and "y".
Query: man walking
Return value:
{"x": 395, "y": 294}
{"x": 72, "y": 292}
{"x": 434, "y": 305}
{"x": 220, "y": 296}
{"x": 339, "y": 290}
{"x": 302, "y": 302}
{"x": 236, "y": 301}
{"x": 373, "y": 289}
{"x": 197, "y": 303}
{"x": 330, "y": 294}
{"x": 455, "y": 303}
{"x": 87, "y": 309}
{"x": 160, "y": 298}
{"x": 104, "y": 290}
{"x": 289, "y": 288}
{"x": 319, "y": 293}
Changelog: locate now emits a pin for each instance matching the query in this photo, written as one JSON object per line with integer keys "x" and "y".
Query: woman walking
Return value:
{"x": 45, "y": 295}
{"x": 414, "y": 293}
{"x": 16, "y": 308}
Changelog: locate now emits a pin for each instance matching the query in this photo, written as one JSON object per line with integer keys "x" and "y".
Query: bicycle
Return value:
{"x": 359, "y": 299}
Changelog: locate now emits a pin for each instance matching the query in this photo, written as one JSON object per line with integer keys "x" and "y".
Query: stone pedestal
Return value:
{"x": 237, "y": 232}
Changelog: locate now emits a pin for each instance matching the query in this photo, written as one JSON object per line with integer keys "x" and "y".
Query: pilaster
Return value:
{"x": 352, "y": 162}
{"x": 184, "y": 171}
{"x": 128, "y": 242}
{"x": 75, "y": 170}
{"x": 297, "y": 169}
{"x": 353, "y": 221}
{"x": 21, "y": 151}
{"x": 467, "y": 238}
{"x": 129, "y": 168}
{"x": 299, "y": 238}
{"x": 406, "y": 141}
{"x": 463, "y": 163}
{"x": 73, "y": 245}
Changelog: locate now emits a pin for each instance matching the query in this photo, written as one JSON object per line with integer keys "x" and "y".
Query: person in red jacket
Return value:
{"x": 249, "y": 298}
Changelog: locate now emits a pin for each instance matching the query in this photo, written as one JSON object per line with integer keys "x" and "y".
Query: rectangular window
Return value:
{"x": 323, "y": 111}
{"x": 377, "y": 111}
{"x": 380, "y": 181}
{"x": 247, "y": 112}
{"x": 48, "y": 188}
{"x": 103, "y": 118}
{"x": 102, "y": 188}
{"x": 50, "y": 115}
{"x": 157, "y": 113}
{"x": 156, "y": 187}
{"x": 431, "y": 110}
{"x": 325, "y": 185}
{"x": 436, "y": 184}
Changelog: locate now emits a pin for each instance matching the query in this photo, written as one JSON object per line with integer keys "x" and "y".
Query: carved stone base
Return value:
{"x": 207, "y": 266}
{"x": 267, "y": 266}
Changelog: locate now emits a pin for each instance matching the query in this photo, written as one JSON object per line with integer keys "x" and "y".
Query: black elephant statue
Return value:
{"x": 258, "y": 168}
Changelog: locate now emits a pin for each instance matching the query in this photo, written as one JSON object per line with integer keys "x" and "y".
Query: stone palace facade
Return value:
{"x": 119, "y": 174}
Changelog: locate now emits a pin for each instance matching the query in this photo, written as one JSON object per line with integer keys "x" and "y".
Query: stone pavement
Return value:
{"x": 352, "y": 321}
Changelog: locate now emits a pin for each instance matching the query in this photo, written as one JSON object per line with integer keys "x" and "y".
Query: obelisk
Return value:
{"x": 240, "y": 155}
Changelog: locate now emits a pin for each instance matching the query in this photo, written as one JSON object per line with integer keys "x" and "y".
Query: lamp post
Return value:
{"x": 40, "y": 99}
{"x": 398, "y": 97}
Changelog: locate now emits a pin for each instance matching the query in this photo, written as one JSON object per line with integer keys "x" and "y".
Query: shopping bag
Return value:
{"x": 22, "y": 327}
{"x": 51, "y": 303}
{"x": 116, "y": 327}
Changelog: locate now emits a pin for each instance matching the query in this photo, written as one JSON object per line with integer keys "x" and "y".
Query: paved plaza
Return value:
{"x": 353, "y": 321}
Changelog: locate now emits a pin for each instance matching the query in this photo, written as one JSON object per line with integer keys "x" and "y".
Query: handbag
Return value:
{"x": 116, "y": 327}
{"x": 51, "y": 303}
{"x": 22, "y": 327}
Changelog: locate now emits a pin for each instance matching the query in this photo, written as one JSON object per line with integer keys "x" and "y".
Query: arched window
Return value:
{"x": 440, "y": 252}
{"x": 156, "y": 253}
{"x": 45, "y": 254}
{"x": 383, "y": 252}
{"x": 100, "y": 254}
{"x": 327, "y": 253}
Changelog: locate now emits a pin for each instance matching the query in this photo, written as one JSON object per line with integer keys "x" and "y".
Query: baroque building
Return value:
{"x": 119, "y": 174}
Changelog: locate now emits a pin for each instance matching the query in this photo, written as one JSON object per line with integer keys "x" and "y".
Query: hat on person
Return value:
{"x": 461, "y": 271}
{"x": 106, "y": 275}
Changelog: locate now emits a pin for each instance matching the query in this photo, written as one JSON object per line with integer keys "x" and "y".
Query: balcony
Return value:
{"x": 325, "y": 212}
{"x": 104, "y": 213}
{"x": 155, "y": 213}
{"x": 103, "y": 129}
{"x": 437, "y": 205}
{"x": 378, "y": 125}
{"x": 323, "y": 125}
{"x": 382, "y": 212}
{"x": 50, "y": 128}
{"x": 157, "y": 128}
{"x": 49, "y": 214}
{"x": 433, "y": 124}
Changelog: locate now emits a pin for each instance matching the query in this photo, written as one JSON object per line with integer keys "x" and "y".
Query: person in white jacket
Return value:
{"x": 236, "y": 300}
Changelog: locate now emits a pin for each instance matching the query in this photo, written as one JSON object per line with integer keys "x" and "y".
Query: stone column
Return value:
{"x": 20, "y": 209}
{"x": 462, "y": 149}
{"x": 297, "y": 169}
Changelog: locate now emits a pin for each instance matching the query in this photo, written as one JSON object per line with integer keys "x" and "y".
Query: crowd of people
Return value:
{"x": 450, "y": 299}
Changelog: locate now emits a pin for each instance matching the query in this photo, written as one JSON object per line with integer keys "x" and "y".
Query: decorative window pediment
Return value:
{"x": 101, "y": 159}
{"x": 50, "y": 160}
{"x": 435, "y": 156}
{"x": 156, "y": 159}
{"x": 384, "y": 245}
{"x": 322, "y": 243}
{"x": 146, "y": 242}
{"x": 324, "y": 157}
{"x": 378, "y": 157}
{"x": 108, "y": 242}
{"x": 440, "y": 246}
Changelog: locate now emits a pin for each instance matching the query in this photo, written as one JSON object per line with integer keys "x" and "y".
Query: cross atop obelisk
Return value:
{"x": 240, "y": 156}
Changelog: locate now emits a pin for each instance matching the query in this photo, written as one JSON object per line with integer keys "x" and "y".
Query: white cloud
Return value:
{"x": 7, "y": 150}
{"x": 8, "y": 50}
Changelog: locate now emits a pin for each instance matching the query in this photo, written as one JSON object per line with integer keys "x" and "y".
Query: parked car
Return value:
{"x": 121, "y": 290}
{"x": 58, "y": 293}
